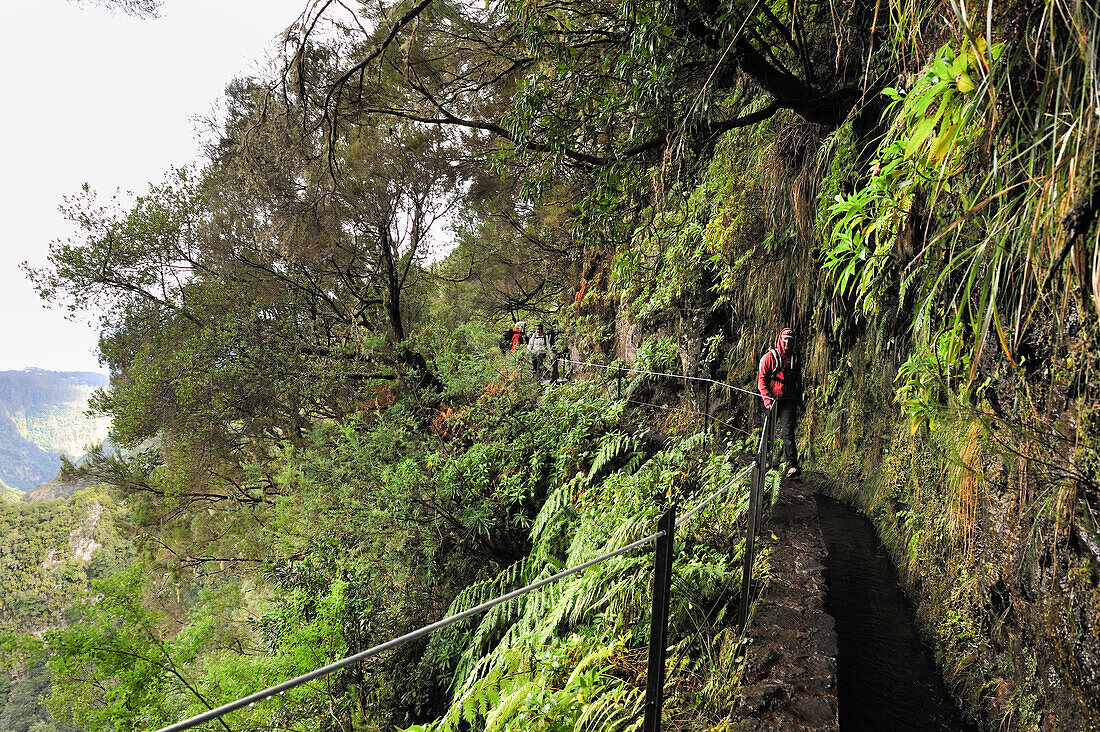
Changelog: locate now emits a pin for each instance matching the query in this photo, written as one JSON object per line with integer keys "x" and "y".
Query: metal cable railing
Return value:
{"x": 712, "y": 498}
{"x": 686, "y": 410}
{"x": 662, "y": 582}
{"x": 401, "y": 640}
{"x": 760, "y": 465}
{"x": 624, "y": 369}
{"x": 224, "y": 709}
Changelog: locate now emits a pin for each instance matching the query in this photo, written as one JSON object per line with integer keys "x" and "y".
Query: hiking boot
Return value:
{"x": 793, "y": 470}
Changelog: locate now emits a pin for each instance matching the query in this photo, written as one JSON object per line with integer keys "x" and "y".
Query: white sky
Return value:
{"x": 96, "y": 96}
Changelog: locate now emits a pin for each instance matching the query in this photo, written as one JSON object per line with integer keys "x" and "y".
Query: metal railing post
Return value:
{"x": 748, "y": 557}
{"x": 658, "y": 621}
{"x": 756, "y": 509}
{"x": 774, "y": 427}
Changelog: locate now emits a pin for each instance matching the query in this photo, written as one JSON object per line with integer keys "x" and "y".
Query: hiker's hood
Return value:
{"x": 781, "y": 341}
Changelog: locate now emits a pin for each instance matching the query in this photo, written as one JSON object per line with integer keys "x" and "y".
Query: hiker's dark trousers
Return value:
{"x": 538, "y": 365}
{"x": 787, "y": 412}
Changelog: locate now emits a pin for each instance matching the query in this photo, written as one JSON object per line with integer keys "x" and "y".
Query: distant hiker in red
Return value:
{"x": 518, "y": 336}
{"x": 780, "y": 381}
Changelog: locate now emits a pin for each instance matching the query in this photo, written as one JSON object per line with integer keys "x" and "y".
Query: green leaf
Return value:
{"x": 921, "y": 132}
{"x": 924, "y": 100}
{"x": 945, "y": 142}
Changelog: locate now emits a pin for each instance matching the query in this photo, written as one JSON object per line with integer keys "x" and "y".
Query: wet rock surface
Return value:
{"x": 790, "y": 673}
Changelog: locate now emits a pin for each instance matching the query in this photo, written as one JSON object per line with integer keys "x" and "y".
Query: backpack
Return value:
{"x": 505, "y": 342}
{"x": 792, "y": 383}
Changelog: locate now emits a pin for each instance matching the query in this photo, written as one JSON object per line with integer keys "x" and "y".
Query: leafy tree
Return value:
{"x": 113, "y": 668}
{"x": 243, "y": 304}
{"x": 589, "y": 84}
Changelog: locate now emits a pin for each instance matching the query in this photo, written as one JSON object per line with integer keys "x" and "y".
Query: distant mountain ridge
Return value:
{"x": 42, "y": 416}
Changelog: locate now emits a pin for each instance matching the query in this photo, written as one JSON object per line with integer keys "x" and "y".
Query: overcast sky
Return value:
{"x": 100, "y": 97}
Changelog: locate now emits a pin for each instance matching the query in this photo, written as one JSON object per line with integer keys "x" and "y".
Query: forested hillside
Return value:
{"x": 43, "y": 416}
{"x": 49, "y": 552}
{"x": 324, "y": 448}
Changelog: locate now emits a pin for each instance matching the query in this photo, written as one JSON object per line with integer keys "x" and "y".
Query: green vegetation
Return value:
{"x": 51, "y": 550}
{"x": 503, "y": 485}
{"x": 23, "y": 710}
{"x": 47, "y": 547}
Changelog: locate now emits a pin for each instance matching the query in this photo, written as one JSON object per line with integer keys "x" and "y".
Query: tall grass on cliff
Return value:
{"x": 972, "y": 216}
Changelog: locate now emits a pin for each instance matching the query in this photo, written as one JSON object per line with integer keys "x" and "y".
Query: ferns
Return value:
{"x": 513, "y": 697}
{"x": 612, "y": 445}
{"x": 618, "y": 709}
{"x": 566, "y": 657}
{"x": 556, "y": 511}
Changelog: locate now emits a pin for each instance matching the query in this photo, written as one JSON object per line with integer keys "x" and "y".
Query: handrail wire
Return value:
{"x": 713, "y": 497}
{"x": 687, "y": 410}
{"x": 224, "y": 709}
{"x": 390, "y": 644}
{"x": 658, "y": 373}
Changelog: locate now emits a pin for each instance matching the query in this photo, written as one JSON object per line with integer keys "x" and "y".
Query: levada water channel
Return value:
{"x": 886, "y": 679}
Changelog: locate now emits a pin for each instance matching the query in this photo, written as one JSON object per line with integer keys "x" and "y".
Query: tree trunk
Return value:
{"x": 393, "y": 282}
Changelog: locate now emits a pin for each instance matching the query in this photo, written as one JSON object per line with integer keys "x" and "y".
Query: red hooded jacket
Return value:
{"x": 780, "y": 378}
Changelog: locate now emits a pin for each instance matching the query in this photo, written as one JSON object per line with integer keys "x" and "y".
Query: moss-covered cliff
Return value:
{"x": 937, "y": 250}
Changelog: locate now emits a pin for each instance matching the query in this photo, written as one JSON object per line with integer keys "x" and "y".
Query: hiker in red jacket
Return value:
{"x": 519, "y": 337}
{"x": 780, "y": 381}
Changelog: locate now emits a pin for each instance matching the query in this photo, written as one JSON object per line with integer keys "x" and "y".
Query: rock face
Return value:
{"x": 628, "y": 337}
{"x": 790, "y": 672}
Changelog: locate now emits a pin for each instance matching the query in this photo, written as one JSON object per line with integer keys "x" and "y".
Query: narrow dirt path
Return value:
{"x": 790, "y": 675}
